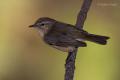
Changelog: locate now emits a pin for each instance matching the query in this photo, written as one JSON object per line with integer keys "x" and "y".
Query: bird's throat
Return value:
{"x": 43, "y": 31}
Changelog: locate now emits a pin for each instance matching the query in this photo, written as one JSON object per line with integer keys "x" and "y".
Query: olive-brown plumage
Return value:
{"x": 64, "y": 36}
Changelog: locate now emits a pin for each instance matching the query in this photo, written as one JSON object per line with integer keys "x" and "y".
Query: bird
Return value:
{"x": 63, "y": 36}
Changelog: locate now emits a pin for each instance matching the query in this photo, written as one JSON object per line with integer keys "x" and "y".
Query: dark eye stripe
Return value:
{"x": 43, "y": 23}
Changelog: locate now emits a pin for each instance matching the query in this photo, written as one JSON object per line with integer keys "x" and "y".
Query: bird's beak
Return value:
{"x": 32, "y": 26}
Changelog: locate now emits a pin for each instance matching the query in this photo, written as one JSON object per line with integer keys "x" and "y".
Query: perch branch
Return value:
{"x": 70, "y": 61}
{"x": 82, "y": 15}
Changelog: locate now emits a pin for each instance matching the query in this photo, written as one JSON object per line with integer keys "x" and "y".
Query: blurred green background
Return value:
{"x": 24, "y": 56}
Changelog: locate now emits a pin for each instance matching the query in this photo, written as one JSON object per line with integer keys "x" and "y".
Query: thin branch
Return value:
{"x": 70, "y": 65}
{"x": 70, "y": 61}
{"x": 82, "y": 15}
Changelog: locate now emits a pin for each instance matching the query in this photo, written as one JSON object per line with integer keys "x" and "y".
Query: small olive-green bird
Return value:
{"x": 65, "y": 37}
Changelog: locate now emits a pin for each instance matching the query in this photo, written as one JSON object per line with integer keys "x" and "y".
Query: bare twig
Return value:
{"x": 70, "y": 61}
{"x": 70, "y": 65}
{"x": 82, "y": 15}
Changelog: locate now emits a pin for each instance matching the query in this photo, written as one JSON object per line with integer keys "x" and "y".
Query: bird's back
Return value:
{"x": 67, "y": 30}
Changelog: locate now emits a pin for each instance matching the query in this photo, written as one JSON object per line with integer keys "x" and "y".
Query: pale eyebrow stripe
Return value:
{"x": 45, "y": 22}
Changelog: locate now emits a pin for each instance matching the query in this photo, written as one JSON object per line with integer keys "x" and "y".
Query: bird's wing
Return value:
{"x": 68, "y": 30}
{"x": 60, "y": 36}
{"x": 63, "y": 41}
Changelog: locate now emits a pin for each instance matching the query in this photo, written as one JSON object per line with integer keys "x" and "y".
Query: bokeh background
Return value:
{"x": 24, "y": 56}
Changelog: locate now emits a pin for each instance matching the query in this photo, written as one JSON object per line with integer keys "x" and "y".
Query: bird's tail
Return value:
{"x": 97, "y": 38}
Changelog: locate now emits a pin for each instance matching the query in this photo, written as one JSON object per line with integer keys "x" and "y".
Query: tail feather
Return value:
{"x": 97, "y": 39}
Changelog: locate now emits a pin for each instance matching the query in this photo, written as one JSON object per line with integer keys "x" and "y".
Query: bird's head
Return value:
{"x": 43, "y": 23}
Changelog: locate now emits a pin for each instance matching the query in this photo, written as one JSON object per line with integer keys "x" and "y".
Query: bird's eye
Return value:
{"x": 42, "y": 24}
